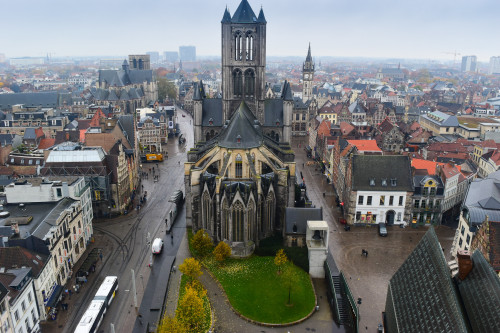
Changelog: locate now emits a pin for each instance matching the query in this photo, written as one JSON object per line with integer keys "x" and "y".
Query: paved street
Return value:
{"x": 368, "y": 276}
{"x": 125, "y": 246}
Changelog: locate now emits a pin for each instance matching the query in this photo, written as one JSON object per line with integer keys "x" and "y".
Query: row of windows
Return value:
{"x": 426, "y": 204}
{"x": 369, "y": 200}
{"x": 30, "y": 162}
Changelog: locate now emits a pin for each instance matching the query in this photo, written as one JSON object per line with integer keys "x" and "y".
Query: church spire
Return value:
{"x": 227, "y": 17}
{"x": 309, "y": 58}
{"x": 261, "y": 18}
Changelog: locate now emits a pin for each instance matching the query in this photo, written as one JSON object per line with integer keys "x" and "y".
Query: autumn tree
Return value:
{"x": 289, "y": 278}
{"x": 190, "y": 310}
{"x": 170, "y": 325}
{"x": 280, "y": 259}
{"x": 222, "y": 251}
{"x": 202, "y": 243}
{"x": 166, "y": 89}
{"x": 192, "y": 268}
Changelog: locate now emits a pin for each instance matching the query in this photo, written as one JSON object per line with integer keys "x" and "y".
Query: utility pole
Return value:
{"x": 134, "y": 291}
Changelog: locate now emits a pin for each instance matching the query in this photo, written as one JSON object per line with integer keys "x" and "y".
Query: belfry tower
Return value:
{"x": 243, "y": 61}
{"x": 307, "y": 77}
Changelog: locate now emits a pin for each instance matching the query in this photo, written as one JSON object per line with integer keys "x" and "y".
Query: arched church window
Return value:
{"x": 141, "y": 64}
{"x": 225, "y": 220}
{"x": 277, "y": 137}
{"x": 134, "y": 63}
{"x": 249, "y": 47}
{"x": 205, "y": 210}
{"x": 237, "y": 220}
{"x": 249, "y": 82}
{"x": 237, "y": 82}
{"x": 238, "y": 46}
{"x": 269, "y": 212}
{"x": 251, "y": 220}
{"x": 207, "y": 136}
{"x": 239, "y": 166}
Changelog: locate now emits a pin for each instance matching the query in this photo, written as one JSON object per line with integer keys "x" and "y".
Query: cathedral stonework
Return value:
{"x": 240, "y": 176}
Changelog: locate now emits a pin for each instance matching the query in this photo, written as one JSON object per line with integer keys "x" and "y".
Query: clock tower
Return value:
{"x": 307, "y": 77}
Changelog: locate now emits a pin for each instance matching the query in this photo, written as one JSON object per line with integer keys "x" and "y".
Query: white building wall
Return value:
{"x": 5, "y": 322}
{"x": 463, "y": 237}
{"x": 28, "y": 319}
{"x": 375, "y": 208}
{"x": 45, "y": 281}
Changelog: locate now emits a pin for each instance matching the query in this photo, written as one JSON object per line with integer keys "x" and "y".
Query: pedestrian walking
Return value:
{"x": 100, "y": 256}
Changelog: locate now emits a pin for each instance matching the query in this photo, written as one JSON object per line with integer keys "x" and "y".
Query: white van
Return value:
{"x": 157, "y": 246}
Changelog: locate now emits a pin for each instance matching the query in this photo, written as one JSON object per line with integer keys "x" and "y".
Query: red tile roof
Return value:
{"x": 46, "y": 143}
{"x": 39, "y": 132}
{"x": 365, "y": 145}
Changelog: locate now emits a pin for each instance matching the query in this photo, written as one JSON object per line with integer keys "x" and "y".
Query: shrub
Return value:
{"x": 222, "y": 251}
{"x": 192, "y": 268}
{"x": 202, "y": 243}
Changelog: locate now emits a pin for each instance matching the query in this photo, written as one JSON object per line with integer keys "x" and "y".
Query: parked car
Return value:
{"x": 157, "y": 246}
{"x": 382, "y": 229}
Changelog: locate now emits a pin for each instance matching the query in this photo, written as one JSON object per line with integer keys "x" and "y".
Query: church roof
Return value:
{"x": 212, "y": 109}
{"x": 242, "y": 131}
{"x": 244, "y": 13}
{"x": 273, "y": 112}
{"x": 199, "y": 91}
{"x": 287, "y": 92}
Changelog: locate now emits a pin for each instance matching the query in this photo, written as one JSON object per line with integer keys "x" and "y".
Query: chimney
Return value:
{"x": 464, "y": 263}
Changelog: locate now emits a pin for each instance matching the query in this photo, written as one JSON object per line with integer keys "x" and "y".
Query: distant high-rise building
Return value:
{"x": 187, "y": 53}
{"x": 171, "y": 56}
{"x": 469, "y": 63}
{"x": 139, "y": 61}
{"x": 154, "y": 56}
{"x": 2, "y": 57}
{"x": 494, "y": 65}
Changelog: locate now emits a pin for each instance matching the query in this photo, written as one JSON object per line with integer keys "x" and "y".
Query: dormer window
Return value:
{"x": 384, "y": 182}
{"x": 210, "y": 121}
{"x": 394, "y": 182}
{"x": 372, "y": 181}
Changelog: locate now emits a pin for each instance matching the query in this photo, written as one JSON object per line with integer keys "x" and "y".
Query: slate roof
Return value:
{"x": 442, "y": 119}
{"x": 261, "y": 18}
{"x": 51, "y": 219}
{"x": 43, "y": 99}
{"x": 299, "y": 217}
{"x": 121, "y": 78}
{"x": 243, "y": 126}
{"x": 6, "y": 139}
{"x": 379, "y": 167}
{"x": 126, "y": 123}
{"x": 273, "y": 111}
{"x": 309, "y": 57}
{"x": 29, "y": 133}
{"x": 298, "y": 103}
{"x": 480, "y": 292}
{"x": 212, "y": 109}
{"x": 244, "y": 13}
{"x": 483, "y": 198}
{"x": 421, "y": 296}
{"x": 11, "y": 257}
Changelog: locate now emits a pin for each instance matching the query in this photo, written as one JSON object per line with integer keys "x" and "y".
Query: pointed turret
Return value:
{"x": 309, "y": 57}
{"x": 227, "y": 17}
{"x": 125, "y": 65}
{"x": 244, "y": 13}
{"x": 261, "y": 18}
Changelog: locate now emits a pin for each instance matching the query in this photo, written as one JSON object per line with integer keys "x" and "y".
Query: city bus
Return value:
{"x": 92, "y": 318}
{"x": 107, "y": 290}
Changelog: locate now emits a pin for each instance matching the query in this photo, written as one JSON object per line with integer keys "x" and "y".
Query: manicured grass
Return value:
{"x": 256, "y": 290}
{"x": 206, "y": 303}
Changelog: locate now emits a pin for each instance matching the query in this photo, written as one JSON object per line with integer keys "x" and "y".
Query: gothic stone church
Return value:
{"x": 240, "y": 176}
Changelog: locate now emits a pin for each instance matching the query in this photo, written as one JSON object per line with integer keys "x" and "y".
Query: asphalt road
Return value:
{"x": 129, "y": 234}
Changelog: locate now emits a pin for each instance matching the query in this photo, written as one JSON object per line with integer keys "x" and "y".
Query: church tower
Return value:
{"x": 243, "y": 61}
{"x": 307, "y": 77}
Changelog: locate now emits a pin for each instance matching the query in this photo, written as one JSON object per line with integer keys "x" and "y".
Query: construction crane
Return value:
{"x": 454, "y": 56}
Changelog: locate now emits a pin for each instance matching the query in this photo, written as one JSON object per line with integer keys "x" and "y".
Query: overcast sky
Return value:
{"x": 426, "y": 29}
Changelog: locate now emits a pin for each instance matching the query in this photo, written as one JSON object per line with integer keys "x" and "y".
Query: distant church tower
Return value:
{"x": 243, "y": 61}
{"x": 307, "y": 77}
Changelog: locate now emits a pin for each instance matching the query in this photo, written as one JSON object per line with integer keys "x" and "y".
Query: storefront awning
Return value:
{"x": 54, "y": 297}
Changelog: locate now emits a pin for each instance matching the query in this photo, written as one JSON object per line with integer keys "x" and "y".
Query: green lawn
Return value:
{"x": 256, "y": 290}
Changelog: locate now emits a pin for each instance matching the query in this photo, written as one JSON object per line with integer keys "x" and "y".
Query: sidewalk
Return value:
{"x": 76, "y": 300}
{"x": 175, "y": 277}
